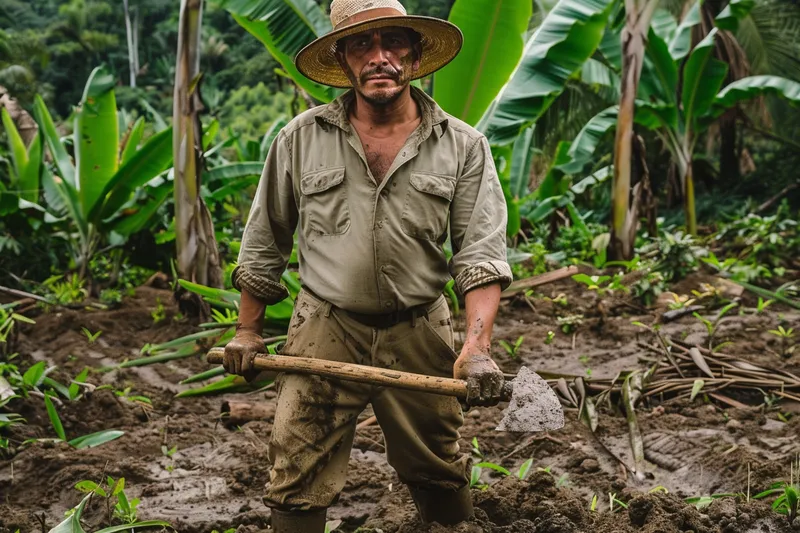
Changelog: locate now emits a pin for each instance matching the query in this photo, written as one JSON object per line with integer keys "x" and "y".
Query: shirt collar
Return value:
{"x": 433, "y": 117}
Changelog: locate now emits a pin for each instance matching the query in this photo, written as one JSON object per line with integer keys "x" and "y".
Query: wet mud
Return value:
{"x": 216, "y": 478}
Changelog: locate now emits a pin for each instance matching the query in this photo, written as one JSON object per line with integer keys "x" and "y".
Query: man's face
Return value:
{"x": 379, "y": 63}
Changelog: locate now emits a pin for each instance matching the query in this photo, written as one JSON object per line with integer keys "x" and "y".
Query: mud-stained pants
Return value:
{"x": 316, "y": 417}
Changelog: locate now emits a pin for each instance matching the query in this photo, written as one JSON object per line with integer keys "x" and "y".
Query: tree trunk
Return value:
{"x": 634, "y": 39}
{"x": 131, "y": 41}
{"x": 198, "y": 257}
{"x": 688, "y": 198}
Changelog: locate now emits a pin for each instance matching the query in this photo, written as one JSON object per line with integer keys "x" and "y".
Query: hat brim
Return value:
{"x": 441, "y": 43}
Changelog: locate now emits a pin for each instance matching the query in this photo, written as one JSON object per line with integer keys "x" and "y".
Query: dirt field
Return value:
{"x": 215, "y": 479}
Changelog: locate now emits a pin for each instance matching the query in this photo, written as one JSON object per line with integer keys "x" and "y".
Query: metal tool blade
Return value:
{"x": 533, "y": 406}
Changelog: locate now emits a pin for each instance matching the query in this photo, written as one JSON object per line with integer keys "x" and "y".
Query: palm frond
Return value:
{"x": 770, "y": 37}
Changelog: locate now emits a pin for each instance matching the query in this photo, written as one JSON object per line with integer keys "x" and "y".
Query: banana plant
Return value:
{"x": 494, "y": 37}
{"x": 638, "y": 15}
{"x": 92, "y": 191}
{"x": 26, "y": 166}
{"x": 679, "y": 97}
{"x": 284, "y": 27}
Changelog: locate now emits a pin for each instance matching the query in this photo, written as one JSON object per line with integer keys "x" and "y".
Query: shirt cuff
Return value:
{"x": 484, "y": 273}
{"x": 264, "y": 289}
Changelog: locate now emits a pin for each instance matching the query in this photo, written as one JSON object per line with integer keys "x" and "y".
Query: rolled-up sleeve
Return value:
{"x": 478, "y": 220}
{"x": 269, "y": 234}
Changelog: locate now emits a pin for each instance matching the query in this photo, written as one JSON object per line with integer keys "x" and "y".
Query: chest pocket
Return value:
{"x": 427, "y": 206}
{"x": 323, "y": 205}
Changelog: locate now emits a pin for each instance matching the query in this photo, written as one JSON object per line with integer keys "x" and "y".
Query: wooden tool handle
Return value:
{"x": 358, "y": 373}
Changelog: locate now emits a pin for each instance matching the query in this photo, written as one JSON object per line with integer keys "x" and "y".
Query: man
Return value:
{"x": 372, "y": 182}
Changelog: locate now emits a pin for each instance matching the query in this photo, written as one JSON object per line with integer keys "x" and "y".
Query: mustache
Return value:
{"x": 381, "y": 70}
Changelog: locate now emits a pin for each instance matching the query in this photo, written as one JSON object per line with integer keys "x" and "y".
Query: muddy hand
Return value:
{"x": 241, "y": 352}
{"x": 484, "y": 380}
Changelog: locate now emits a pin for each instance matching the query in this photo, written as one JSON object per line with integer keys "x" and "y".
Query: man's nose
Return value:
{"x": 377, "y": 54}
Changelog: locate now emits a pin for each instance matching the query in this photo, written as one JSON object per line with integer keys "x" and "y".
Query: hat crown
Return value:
{"x": 342, "y": 10}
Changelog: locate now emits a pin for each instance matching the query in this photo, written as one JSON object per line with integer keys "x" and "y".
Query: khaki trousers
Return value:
{"x": 316, "y": 417}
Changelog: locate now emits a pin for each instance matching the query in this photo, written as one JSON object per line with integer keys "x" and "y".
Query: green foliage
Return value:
{"x": 249, "y": 111}
{"x": 512, "y": 350}
{"x": 676, "y": 254}
{"x": 124, "y": 510}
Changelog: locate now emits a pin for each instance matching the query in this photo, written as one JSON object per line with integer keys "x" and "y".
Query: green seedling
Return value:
{"x": 475, "y": 479}
{"x": 712, "y": 326}
{"x": 524, "y": 469}
{"x": 159, "y": 313}
{"x": 680, "y": 302}
{"x": 788, "y": 493}
{"x": 762, "y": 305}
{"x": 593, "y": 506}
{"x": 569, "y": 323}
{"x": 91, "y": 337}
{"x": 168, "y": 453}
{"x": 333, "y": 525}
{"x": 548, "y": 340}
{"x": 476, "y": 448}
{"x": 124, "y": 510}
{"x": 785, "y": 336}
{"x": 86, "y": 441}
{"x": 125, "y": 394}
{"x": 8, "y": 324}
{"x": 512, "y": 351}
{"x": 612, "y": 500}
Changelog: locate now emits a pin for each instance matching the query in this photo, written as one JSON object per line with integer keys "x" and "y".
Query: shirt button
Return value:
{"x": 388, "y": 304}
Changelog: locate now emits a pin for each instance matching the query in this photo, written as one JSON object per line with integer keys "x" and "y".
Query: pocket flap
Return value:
{"x": 441, "y": 186}
{"x": 322, "y": 180}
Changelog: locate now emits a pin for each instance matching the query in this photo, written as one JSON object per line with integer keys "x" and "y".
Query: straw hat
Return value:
{"x": 441, "y": 40}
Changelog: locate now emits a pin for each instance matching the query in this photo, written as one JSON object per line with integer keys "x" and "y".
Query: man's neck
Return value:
{"x": 398, "y": 112}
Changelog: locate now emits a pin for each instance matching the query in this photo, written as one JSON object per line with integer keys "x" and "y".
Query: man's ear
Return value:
{"x": 417, "y": 50}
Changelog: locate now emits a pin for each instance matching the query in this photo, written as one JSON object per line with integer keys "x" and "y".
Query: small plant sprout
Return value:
{"x": 548, "y": 340}
{"x": 712, "y": 326}
{"x": 680, "y": 302}
{"x": 169, "y": 453}
{"x": 593, "y": 506}
{"x": 762, "y": 305}
{"x": 91, "y": 337}
{"x": 613, "y": 501}
{"x": 159, "y": 313}
{"x": 476, "y": 448}
{"x": 786, "y": 336}
{"x": 332, "y": 525}
{"x": 512, "y": 351}
{"x": 788, "y": 493}
{"x": 569, "y": 323}
{"x": 524, "y": 469}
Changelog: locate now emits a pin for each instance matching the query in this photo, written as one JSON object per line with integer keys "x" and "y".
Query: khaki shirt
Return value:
{"x": 372, "y": 247}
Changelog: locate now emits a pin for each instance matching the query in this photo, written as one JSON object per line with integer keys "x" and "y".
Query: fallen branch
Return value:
{"x": 23, "y": 294}
{"x": 537, "y": 281}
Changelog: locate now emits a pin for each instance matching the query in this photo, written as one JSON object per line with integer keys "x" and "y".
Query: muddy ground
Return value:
{"x": 215, "y": 478}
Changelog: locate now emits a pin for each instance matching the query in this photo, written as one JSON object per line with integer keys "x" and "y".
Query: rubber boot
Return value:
{"x": 444, "y": 506}
{"x": 298, "y": 521}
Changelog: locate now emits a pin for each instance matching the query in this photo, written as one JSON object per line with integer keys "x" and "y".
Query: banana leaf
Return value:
{"x": 132, "y": 141}
{"x": 284, "y": 27}
{"x": 749, "y": 88}
{"x": 132, "y": 223}
{"x": 703, "y": 77}
{"x": 96, "y": 136}
{"x": 493, "y": 41}
{"x": 26, "y": 161}
{"x": 154, "y": 158}
{"x": 233, "y": 171}
{"x": 62, "y": 160}
{"x": 736, "y": 10}
{"x": 681, "y": 42}
{"x": 568, "y": 36}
